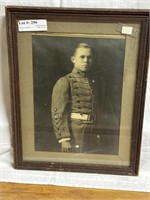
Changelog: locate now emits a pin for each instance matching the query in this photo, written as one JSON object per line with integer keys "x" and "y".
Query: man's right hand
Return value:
{"x": 65, "y": 146}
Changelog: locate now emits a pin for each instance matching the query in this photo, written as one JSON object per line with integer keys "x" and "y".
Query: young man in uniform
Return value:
{"x": 72, "y": 106}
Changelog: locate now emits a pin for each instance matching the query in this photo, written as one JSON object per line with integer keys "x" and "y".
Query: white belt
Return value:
{"x": 80, "y": 116}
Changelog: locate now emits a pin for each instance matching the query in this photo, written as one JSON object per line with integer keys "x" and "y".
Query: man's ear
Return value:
{"x": 72, "y": 59}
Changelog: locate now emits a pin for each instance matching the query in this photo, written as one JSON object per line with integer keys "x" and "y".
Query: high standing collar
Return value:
{"x": 78, "y": 72}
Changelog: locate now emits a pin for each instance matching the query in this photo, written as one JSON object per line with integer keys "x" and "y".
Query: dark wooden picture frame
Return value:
{"x": 119, "y": 39}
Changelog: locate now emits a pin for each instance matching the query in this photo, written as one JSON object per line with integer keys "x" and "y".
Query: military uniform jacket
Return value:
{"x": 71, "y": 94}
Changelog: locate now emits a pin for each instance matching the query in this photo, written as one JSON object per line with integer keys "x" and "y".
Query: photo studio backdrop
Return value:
{"x": 7, "y": 173}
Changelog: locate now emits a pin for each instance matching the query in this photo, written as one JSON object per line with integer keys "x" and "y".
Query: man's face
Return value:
{"x": 82, "y": 59}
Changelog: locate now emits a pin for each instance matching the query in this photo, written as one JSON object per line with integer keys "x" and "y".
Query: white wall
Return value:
{"x": 8, "y": 174}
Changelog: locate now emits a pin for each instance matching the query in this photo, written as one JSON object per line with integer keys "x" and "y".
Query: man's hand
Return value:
{"x": 65, "y": 146}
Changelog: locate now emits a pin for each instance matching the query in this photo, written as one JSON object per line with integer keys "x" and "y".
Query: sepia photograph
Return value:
{"x": 77, "y": 93}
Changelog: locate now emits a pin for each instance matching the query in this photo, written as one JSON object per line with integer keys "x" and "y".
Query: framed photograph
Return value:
{"x": 78, "y": 81}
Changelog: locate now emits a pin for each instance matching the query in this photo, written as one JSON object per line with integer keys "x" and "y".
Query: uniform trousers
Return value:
{"x": 83, "y": 138}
